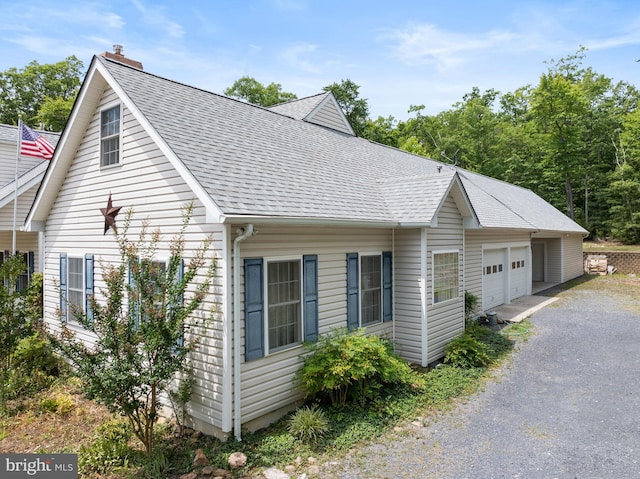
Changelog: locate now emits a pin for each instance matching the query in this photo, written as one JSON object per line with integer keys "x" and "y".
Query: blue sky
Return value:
{"x": 401, "y": 53}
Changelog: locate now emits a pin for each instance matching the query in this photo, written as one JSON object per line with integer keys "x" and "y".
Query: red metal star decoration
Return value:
{"x": 110, "y": 213}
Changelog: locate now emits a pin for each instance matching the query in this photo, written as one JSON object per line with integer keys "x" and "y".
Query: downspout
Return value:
{"x": 237, "y": 413}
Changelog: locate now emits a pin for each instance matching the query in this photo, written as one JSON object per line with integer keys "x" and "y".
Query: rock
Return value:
{"x": 314, "y": 470}
{"x": 199, "y": 458}
{"x": 312, "y": 460}
{"x": 207, "y": 471}
{"x": 274, "y": 473}
{"x": 290, "y": 469}
{"x": 298, "y": 461}
{"x": 190, "y": 475}
{"x": 237, "y": 460}
{"x": 222, "y": 473}
{"x": 303, "y": 476}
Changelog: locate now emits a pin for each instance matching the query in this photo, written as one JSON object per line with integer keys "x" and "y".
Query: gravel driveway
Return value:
{"x": 566, "y": 406}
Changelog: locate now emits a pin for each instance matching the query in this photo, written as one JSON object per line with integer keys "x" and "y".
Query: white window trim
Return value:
{"x": 265, "y": 286}
{"x": 433, "y": 276}
{"x": 69, "y": 314}
{"x": 106, "y": 107}
{"x": 360, "y": 295}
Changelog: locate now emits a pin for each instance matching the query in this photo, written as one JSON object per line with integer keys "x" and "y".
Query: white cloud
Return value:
{"x": 155, "y": 16}
{"x": 425, "y": 43}
{"x": 298, "y": 54}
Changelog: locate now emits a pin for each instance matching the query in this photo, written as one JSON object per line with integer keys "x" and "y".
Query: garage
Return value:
{"x": 519, "y": 268}
{"x": 493, "y": 278}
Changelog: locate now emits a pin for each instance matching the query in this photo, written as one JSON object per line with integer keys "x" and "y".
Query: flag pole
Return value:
{"x": 15, "y": 194}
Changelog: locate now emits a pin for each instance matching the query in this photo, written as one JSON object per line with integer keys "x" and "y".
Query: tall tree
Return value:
{"x": 254, "y": 92}
{"x": 356, "y": 109}
{"x": 40, "y": 93}
{"x": 139, "y": 325}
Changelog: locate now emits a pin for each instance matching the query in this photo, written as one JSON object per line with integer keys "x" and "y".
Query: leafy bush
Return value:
{"x": 478, "y": 347}
{"x": 349, "y": 366}
{"x": 470, "y": 304}
{"x": 467, "y": 352}
{"x": 109, "y": 449}
{"x": 308, "y": 423}
{"x": 59, "y": 403}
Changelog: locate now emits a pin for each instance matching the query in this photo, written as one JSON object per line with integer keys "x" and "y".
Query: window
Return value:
{"x": 76, "y": 286}
{"x": 369, "y": 289}
{"x": 280, "y": 304}
{"x": 284, "y": 313}
{"x": 25, "y": 278}
{"x": 156, "y": 271}
{"x": 445, "y": 276}
{"x": 110, "y": 136}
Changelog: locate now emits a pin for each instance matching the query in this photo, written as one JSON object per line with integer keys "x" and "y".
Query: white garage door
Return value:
{"x": 493, "y": 278}
{"x": 519, "y": 269}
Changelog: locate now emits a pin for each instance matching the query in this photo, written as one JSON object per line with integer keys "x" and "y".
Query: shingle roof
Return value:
{"x": 10, "y": 133}
{"x": 257, "y": 162}
{"x": 300, "y": 108}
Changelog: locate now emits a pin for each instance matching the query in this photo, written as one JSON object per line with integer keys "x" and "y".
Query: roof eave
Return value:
{"x": 309, "y": 221}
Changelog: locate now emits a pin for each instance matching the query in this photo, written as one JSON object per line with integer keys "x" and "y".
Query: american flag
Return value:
{"x": 34, "y": 144}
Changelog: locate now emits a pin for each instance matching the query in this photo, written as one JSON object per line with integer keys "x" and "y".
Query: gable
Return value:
{"x": 321, "y": 110}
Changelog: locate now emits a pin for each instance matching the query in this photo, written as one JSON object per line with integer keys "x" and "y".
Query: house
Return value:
{"x": 30, "y": 172}
{"x": 313, "y": 227}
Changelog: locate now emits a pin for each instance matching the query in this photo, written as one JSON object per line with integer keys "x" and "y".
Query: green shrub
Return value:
{"x": 351, "y": 367}
{"x": 308, "y": 423}
{"x": 470, "y": 304}
{"x": 478, "y": 347}
{"x": 59, "y": 403}
{"x": 109, "y": 449}
{"x": 467, "y": 352}
{"x": 34, "y": 353}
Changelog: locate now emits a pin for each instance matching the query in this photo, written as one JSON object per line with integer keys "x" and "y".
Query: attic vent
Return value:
{"x": 118, "y": 56}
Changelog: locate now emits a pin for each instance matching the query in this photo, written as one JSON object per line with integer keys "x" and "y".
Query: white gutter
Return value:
{"x": 237, "y": 408}
{"x": 299, "y": 221}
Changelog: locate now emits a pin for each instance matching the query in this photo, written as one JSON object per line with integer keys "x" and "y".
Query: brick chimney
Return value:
{"x": 118, "y": 56}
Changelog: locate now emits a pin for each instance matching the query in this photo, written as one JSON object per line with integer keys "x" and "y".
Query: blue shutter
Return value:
{"x": 387, "y": 282}
{"x": 7, "y": 255}
{"x": 63, "y": 286}
{"x": 88, "y": 285}
{"x": 179, "y": 276}
{"x": 353, "y": 307}
{"x": 134, "y": 306}
{"x": 31, "y": 260}
{"x": 310, "y": 289}
{"x": 253, "y": 309}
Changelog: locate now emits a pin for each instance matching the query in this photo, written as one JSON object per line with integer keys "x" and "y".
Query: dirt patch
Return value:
{"x": 59, "y": 421}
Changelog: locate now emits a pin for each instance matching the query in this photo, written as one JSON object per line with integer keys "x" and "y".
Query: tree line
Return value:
{"x": 573, "y": 138}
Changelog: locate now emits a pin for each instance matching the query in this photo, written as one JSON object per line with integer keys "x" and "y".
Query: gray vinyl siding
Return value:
{"x": 8, "y": 153}
{"x": 75, "y": 226}
{"x": 409, "y": 294}
{"x": 474, "y": 241}
{"x": 330, "y": 117}
{"x": 268, "y": 382}
{"x": 25, "y": 241}
{"x": 445, "y": 320}
{"x": 554, "y": 260}
{"x": 572, "y": 257}
{"x": 24, "y": 205}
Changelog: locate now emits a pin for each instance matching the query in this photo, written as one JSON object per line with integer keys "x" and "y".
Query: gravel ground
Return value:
{"x": 567, "y": 405}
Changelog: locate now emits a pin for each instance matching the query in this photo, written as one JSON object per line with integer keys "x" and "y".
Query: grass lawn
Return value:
{"x": 603, "y": 246}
